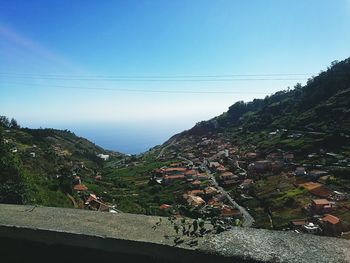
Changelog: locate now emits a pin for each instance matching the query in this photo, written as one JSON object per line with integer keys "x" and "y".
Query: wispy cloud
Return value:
{"x": 37, "y": 49}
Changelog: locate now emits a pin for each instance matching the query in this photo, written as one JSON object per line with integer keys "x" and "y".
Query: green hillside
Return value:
{"x": 305, "y": 118}
{"x": 38, "y": 166}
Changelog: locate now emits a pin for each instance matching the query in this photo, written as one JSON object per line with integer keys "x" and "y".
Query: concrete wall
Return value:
{"x": 44, "y": 234}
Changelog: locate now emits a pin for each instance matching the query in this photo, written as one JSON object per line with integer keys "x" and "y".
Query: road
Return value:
{"x": 248, "y": 220}
{"x": 163, "y": 149}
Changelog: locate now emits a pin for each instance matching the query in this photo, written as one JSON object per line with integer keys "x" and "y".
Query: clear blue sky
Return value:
{"x": 158, "y": 38}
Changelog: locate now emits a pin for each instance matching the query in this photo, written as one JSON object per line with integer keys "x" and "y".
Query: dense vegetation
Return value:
{"x": 37, "y": 166}
{"x": 320, "y": 110}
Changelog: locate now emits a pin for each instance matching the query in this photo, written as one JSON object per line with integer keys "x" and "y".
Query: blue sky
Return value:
{"x": 157, "y": 38}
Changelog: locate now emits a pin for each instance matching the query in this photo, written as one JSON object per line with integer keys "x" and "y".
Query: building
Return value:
{"x": 194, "y": 201}
{"x": 331, "y": 225}
{"x": 246, "y": 184}
{"x": 80, "y": 188}
{"x": 321, "y": 206}
{"x": 102, "y": 156}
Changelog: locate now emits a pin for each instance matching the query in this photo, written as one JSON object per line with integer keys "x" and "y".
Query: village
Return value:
{"x": 216, "y": 171}
{"x": 244, "y": 186}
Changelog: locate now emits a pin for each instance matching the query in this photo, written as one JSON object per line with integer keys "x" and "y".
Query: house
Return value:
{"x": 331, "y": 225}
{"x": 194, "y": 201}
{"x": 32, "y": 154}
{"x": 300, "y": 171}
{"x": 102, "y": 156}
{"x": 247, "y": 183}
{"x": 164, "y": 206}
{"x": 210, "y": 191}
{"x": 227, "y": 176}
{"x": 297, "y": 224}
{"x": 93, "y": 203}
{"x": 227, "y": 211}
{"x": 321, "y": 206}
{"x": 80, "y": 188}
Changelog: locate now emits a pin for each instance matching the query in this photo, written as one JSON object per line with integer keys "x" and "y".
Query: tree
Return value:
{"x": 4, "y": 121}
{"x": 14, "y": 124}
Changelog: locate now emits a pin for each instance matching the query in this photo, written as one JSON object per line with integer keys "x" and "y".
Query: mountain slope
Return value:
{"x": 320, "y": 110}
{"x": 38, "y": 166}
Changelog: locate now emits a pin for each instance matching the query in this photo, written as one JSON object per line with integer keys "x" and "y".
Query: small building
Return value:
{"x": 80, "y": 188}
{"x": 227, "y": 176}
{"x": 227, "y": 211}
{"x": 32, "y": 154}
{"x": 93, "y": 203}
{"x": 247, "y": 183}
{"x": 331, "y": 225}
{"x": 164, "y": 206}
{"x": 102, "y": 156}
{"x": 195, "y": 201}
{"x": 321, "y": 206}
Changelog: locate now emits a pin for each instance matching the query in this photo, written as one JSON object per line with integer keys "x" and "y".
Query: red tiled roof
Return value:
{"x": 80, "y": 187}
{"x": 331, "y": 219}
{"x": 320, "y": 202}
{"x": 164, "y": 206}
{"x": 172, "y": 177}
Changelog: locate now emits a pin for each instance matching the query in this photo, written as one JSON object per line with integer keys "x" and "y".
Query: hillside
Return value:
{"x": 261, "y": 163}
{"x": 39, "y": 166}
{"x": 276, "y": 156}
{"x": 319, "y": 111}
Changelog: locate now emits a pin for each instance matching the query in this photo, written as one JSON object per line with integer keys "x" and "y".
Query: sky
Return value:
{"x": 147, "y": 69}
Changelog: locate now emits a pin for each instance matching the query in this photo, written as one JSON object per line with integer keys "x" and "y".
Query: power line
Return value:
{"x": 156, "y": 76}
{"x": 142, "y": 91}
{"x": 158, "y": 79}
